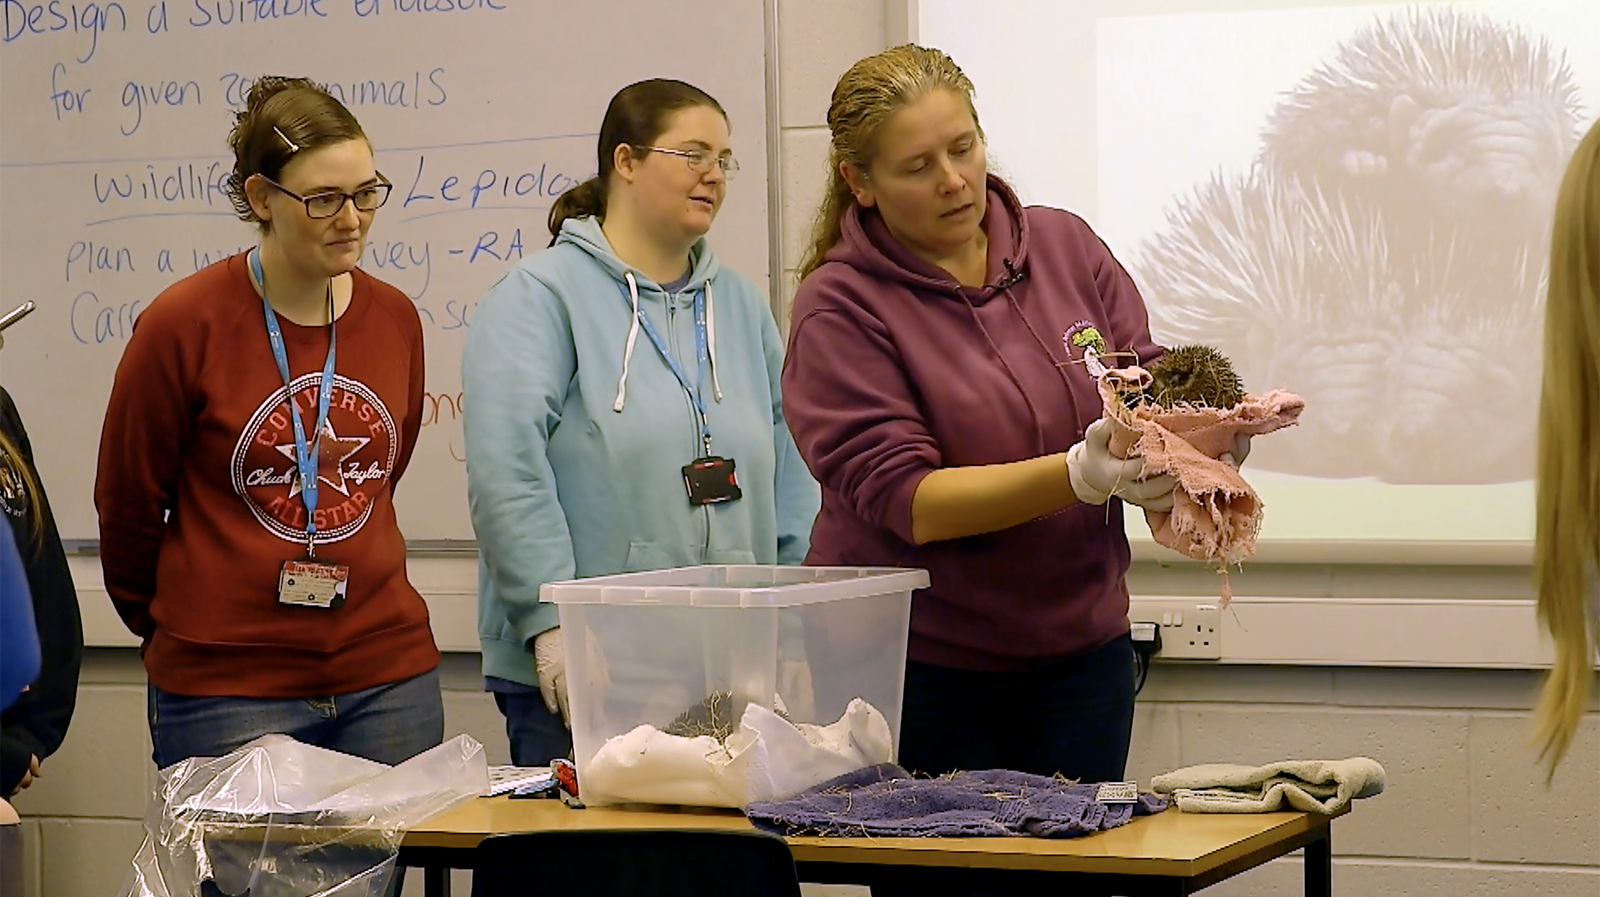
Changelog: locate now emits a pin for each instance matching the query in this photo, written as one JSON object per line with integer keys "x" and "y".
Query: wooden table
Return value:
{"x": 1170, "y": 853}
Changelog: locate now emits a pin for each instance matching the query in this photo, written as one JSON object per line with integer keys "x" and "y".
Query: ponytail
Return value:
{"x": 586, "y": 200}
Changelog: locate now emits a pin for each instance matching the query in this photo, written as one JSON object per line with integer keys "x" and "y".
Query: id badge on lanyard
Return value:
{"x": 306, "y": 581}
{"x": 709, "y": 479}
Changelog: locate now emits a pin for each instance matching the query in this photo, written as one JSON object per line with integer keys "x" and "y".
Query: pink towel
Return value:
{"x": 1215, "y": 514}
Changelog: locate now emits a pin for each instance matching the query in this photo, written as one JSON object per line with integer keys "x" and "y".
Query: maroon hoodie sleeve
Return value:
{"x": 1125, "y": 309}
{"x": 148, "y": 423}
{"x": 854, "y": 415}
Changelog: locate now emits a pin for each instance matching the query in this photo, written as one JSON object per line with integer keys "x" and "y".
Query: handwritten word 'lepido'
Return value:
{"x": 487, "y": 184}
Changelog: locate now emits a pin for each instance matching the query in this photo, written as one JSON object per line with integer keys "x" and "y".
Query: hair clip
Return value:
{"x": 293, "y": 147}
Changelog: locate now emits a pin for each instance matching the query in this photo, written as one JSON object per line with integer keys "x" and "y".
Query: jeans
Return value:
{"x": 1074, "y": 717}
{"x": 537, "y": 736}
{"x": 390, "y": 723}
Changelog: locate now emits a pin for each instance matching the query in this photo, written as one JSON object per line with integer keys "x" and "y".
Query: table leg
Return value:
{"x": 1319, "y": 865}
{"x": 436, "y": 881}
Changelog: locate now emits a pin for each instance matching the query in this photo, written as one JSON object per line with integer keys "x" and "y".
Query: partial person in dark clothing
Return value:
{"x": 33, "y": 727}
{"x": 19, "y": 639}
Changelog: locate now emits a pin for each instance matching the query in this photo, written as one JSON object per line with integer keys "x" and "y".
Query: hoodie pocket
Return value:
{"x": 646, "y": 556}
{"x": 730, "y": 556}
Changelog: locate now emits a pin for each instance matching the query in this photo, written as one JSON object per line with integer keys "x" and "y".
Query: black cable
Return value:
{"x": 1144, "y": 653}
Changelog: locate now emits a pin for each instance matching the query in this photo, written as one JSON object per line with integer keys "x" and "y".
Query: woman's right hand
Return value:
{"x": 550, "y": 664}
{"x": 1097, "y": 474}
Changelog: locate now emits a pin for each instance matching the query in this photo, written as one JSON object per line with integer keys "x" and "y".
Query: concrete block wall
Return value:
{"x": 1467, "y": 809}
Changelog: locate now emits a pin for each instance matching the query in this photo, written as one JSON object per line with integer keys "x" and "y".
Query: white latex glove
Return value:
{"x": 550, "y": 664}
{"x": 1241, "y": 450}
{"x": 1097, "y": 474}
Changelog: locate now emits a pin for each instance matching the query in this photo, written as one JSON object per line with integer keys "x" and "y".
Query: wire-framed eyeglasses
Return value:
{"x": 700, "y": 161}
{"x": 329, "y": 204}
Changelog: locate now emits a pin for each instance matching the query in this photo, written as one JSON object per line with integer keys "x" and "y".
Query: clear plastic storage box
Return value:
{"x": 721, "y": 685}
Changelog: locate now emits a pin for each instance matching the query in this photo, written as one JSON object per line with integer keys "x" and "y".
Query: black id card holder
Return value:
{"x": 711, "y": 480}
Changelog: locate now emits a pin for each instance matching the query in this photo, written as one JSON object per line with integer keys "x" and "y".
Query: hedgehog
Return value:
{"x": 1401, "y": 358}
{"x": 1195, "y": 375}
{"x": 1443, "y": 114}
{"x": 713, "y": 716}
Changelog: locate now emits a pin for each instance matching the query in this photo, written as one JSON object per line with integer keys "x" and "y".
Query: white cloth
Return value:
{"x": 1314, "y": 786}
{"x": 766, "y": 759}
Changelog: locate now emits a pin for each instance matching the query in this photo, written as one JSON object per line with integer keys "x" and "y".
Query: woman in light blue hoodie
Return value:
{"x": 602, "y": 376}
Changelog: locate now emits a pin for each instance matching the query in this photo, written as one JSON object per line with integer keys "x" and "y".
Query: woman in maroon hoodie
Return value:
{"x": 937, "y": 387}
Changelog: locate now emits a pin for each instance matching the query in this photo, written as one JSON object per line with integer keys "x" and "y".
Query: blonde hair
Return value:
{"x": 11, "y": 456}
{"x": 1567, "y": 542}
{"x": 868, "y": 95}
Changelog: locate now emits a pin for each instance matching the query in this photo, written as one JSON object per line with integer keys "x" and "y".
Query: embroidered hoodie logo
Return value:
{"x": 13, "y": 490}
{"x": 1086, "y": 338}
{"x": 354, "y": 458}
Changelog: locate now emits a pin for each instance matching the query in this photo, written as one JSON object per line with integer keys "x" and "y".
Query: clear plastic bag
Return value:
{"x": 279, "y": 818}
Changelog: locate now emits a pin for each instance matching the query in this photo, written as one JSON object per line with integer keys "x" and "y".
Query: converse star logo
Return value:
{"x": 357, "y": 448}
{"x": 332, "y": 451}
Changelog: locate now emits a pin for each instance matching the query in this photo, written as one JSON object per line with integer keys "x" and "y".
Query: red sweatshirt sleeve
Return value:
{"x": 148, "y": 426}
{"x": 854, "y": 414}
{"x": 411, "y": 423}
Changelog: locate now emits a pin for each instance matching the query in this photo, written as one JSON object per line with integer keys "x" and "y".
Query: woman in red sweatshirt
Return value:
{"x": 937, "y": 386}
{"x": 261, "y": 415}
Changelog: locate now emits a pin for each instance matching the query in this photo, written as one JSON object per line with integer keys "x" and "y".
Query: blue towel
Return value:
{"x": 19, "y": 637}
{"x": 885, "y": 801}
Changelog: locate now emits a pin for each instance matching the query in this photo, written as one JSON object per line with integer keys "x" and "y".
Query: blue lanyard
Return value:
{"x": 702, "y": 357}
{"x": 305, "y": 453}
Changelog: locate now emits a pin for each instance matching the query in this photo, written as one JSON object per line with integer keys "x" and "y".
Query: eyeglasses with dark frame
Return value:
{"x": 700, "y": 161}
{"x": 328, "y": 204}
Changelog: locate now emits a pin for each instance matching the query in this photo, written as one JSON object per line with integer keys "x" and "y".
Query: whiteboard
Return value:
{"x": 113, "y": 125}
{"x": 1421, "y": 392}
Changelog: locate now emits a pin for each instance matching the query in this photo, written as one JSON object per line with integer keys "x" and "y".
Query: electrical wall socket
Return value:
{"x": 1190, "y": 630}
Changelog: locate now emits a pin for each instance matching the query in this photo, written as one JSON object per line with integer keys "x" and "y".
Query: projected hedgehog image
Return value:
{"x": 1384, "y": 256}
{"x": 1404, "y": 363}
{"x": 1439, "y": 111}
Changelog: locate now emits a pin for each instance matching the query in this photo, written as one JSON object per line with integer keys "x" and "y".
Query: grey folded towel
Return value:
{"x": 1314, "y": 786}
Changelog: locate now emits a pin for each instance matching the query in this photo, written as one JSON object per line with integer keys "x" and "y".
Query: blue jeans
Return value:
{"x": 1074, "y": 717}
{"x": 390, "y": 723}
{"x": 537, "y": 736}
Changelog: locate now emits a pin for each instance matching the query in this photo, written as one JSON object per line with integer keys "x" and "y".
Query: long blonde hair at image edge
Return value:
{"x": 1567, "y": 536}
